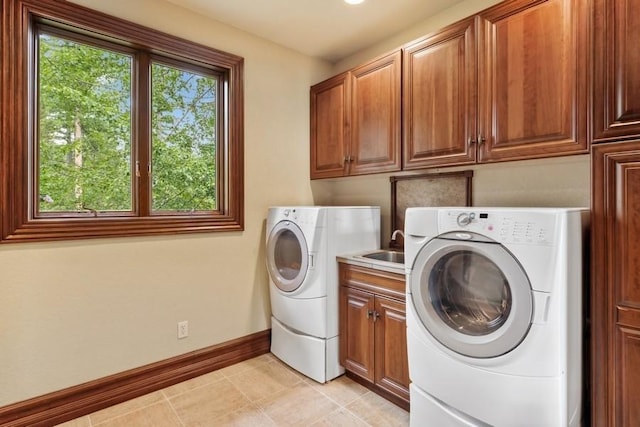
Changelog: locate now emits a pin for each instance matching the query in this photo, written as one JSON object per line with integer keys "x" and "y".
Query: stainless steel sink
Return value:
{"x": 387, "y": 256}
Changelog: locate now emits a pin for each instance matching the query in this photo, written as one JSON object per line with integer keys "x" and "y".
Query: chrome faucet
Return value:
{"x": 395, "y": 234}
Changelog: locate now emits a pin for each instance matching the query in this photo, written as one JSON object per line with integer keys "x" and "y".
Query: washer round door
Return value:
{"x": 472, "y": 295}
{"x": 287, "y": 256}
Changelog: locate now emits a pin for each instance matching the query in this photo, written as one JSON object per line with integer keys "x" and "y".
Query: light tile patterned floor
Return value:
{"x": 258, "y": 392}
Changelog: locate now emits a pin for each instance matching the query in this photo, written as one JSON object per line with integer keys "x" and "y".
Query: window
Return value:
{"x": 112, "y": 129}
{"x": 83, "y": 127}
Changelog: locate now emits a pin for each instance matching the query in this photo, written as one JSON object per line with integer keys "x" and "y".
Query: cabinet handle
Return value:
{"x": 369, "y": 314}
{"x": 470, "y": 141}
{"x": 376, "y": 316}
{"x": 481, "y": 139}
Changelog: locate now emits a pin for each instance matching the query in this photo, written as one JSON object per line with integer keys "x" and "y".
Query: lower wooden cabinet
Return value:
{"x": 615, "y": 287}
{"x": 373, "y": 332}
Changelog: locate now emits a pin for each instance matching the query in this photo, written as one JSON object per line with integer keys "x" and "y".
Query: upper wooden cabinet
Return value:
{"x": 509, "y": 84}
{"x": 533, "y": 63}
{"x": 616, "y": 84}
{"x": 355, "y": 120}
{"x": 330, "y": 137}
{"x": 439, "y": 98}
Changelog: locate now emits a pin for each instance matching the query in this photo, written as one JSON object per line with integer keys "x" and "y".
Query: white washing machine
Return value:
{"x": 302, "y": 245}
{"x": 494, "y": 316}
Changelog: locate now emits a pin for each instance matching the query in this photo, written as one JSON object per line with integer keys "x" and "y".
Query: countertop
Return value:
{"x": 357, "y": 259}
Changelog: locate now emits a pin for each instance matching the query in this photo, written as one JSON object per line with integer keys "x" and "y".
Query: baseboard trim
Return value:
{"x": 67, "y": 404}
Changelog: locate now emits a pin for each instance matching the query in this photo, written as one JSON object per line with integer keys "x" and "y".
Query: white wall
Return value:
{"x": 76, "y": 311}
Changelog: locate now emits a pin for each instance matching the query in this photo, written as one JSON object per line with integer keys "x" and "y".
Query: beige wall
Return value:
{"x": 76, "y": 311}
{"x": 556, "y": 182}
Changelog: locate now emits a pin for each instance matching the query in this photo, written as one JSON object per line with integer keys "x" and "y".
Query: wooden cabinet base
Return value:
{"x": 373, "y": 331}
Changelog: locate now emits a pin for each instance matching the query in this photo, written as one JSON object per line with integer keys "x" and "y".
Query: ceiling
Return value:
{"x": 326, "y": 29}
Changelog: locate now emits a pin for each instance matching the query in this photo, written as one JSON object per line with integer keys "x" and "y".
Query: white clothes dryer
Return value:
{"x": 494, "y": 315}
{"x": 302, "y": 245}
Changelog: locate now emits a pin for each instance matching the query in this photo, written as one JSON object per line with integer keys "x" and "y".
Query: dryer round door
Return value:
{"x": 472, "y": 295}
{"x": 287, "y": 256}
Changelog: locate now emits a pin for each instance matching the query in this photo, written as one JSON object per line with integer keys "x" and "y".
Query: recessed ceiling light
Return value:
{"x": 353, "y": 1}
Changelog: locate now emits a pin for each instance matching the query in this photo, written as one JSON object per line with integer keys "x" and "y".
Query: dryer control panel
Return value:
{"x": 504, "y": 226}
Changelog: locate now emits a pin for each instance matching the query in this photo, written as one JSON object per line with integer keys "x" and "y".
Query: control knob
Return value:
{"x": 465, "y": 218}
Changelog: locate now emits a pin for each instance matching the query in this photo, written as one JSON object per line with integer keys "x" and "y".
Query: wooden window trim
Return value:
{"x": 17, "y": 220}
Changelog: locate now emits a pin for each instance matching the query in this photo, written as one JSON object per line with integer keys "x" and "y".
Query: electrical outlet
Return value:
{"x": 183, "y": 329}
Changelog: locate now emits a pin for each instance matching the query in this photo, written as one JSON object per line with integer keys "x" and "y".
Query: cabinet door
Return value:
{"x": 439, "y": 90}
{"x": 532, "y": 75}
{"x": 616, "y": 98}
{"x": 357, "y": 332}
{"x": 615, "y": 292}
{"x": 330, "y": 112}
{"x": 391, "y": 359}
{"x": 375, "y": 116}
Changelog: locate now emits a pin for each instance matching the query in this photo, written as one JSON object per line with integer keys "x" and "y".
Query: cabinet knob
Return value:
{"x": 481, "y": 139}
{"x": 470, "y": 141}
{"x": 369, "y": 314}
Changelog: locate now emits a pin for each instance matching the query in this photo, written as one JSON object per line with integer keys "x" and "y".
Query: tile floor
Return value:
{"x": 258, "y": 392}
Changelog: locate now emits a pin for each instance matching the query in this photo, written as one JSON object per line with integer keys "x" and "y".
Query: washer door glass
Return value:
{"x": 470, "y": 293}
{"x": 287, "y": 256}
{"x": 472, "y": 296}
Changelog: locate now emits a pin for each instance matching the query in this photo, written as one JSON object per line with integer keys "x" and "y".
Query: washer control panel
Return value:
{"x": 302, "y": 216}
{"x": 526, "y": 227}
